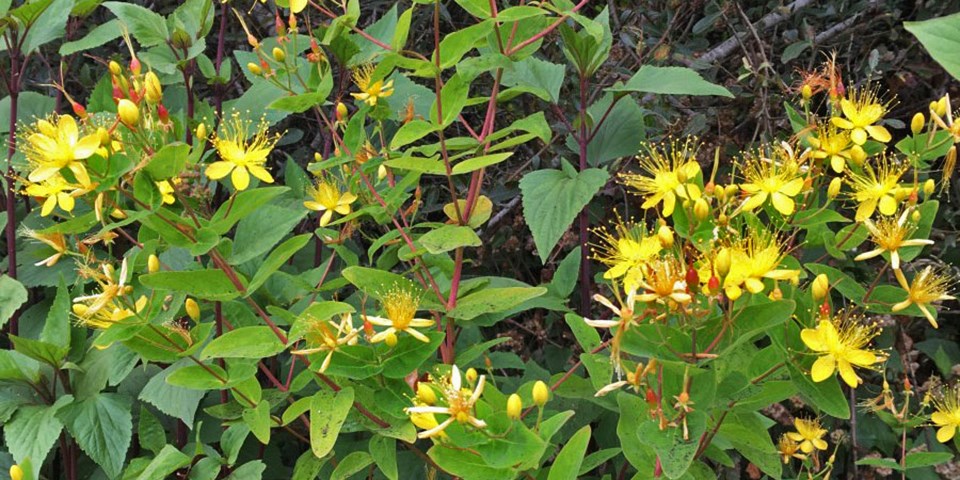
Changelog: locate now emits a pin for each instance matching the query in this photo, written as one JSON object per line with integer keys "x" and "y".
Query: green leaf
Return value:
{"x": 249, "y": 471}
{"x": 757, "y": 319}
{"x": 299, "y": 103}
{"x": 449, "y": 237}
{"x": 351, "y": 464}
{"x": 100, "y": 35}
{"x": 825, "y": 395}
{"x": 33, "y": 431}
{"x": 245, "y": 342}
{"x": 843, "y": 283}
{"x": 328, "y": 411}
{"x": 941, "y": 37}
{"x": 467, "y": 465}
{"x": 453, "y": 95}
{"x": 150, "y": 433}
{"x": 172, "y": 400}
{"x": 384, "y": 453}
{"x": 165, "y": 463}
{"x": 48, "y": 26}
{"x": 670, "y": 81}
{"x": 276, "y": 259}
{"x": 676, "y": 453}
{"x": 307, "y": 467}
{"x": 477, "y": 8}
{"x": 12, "y": 296}
{"x": 102, "y": 426}
{"x": 263, "y": 229}
{"x": 411, "y": 132}
{"x": 41, "y": 351}
{"x": 881, "y": 462}
{"x": 490, "y": 300}
{"x": 586, "y": 336}
{"x": 317, "y": 311}
{"x": 473, "y": 352}
{"x": 56, "y": 328}
{"x": 195, "y": 377}
{"x": 620, "y": 135}
{"x": 539, "y": 77}
{"x": 409, "y": 353}
{"x": 744, "y": 432}
{"x": 245, "y": 203}
{"x": 568, "y": 461}
{"x": 552, "y": 199}
{"x": 476, "y": 163}
{"x": 147, "y": 27}
{"x": 633, "y": 413}
{"x": 926, "y": 459}
{"x": 168, "y": 161}
{"x": 258, "y": 419}
{"x": 376, "y": 282}
{"x": 208, "y": 284}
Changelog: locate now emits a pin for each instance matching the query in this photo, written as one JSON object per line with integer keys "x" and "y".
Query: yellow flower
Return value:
{"x": 105, "y": 317}
{"x": 328, "y": 336}
{"x": 863, "y": 110}
{"x": 776, "y": 178}
{"x": 841, "y": 342}
{"x": 889, "y": 235}
{"x": 876, "y": 186}
{"x": 460, "y": 405}
{"x": 240, "y": 155}
{"x": 946, "y": 415}
{"x": 110, "y": 290}
{"x": 625, "y": 251}
{"x": 829, "y": 143}
{"x": 667, "y": 174}
{"x": 753, "y": 259}
{"x": 56, "y": 191}
{"x": 56, "y": 241}
{"x": 400, "y": 305}
{"x": 932, "y": 284}
{"x": 326, "y": 197}
{"x": 665, "y": 280}
{"x": 809, "y": 435}
{"x": 789, "y": 448}
{"x": 624, "y": 317}
{"x": 167, "y": 190}
{"x": 50, "y": 148}
{"x": 370, "y": 92}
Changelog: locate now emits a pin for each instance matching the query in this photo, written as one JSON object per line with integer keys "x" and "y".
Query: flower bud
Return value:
{"x": 916, "y": 216}
{"x": 471, "y": 375}
{"x": 701, "y": 209}
{"x": 426, "y": 394}
{"x": 857, "y": 155}
{"x": 278, "y": 54}
{"x": 104, "y": 136}
{"x": 942, "y": 106}
{"x": 115, "y": 69}
{"x": 722, "y": 262}
{"x": 732, "y": 191}
{"x": 929, "y": 187}
{"x": 917, "y": 123}
{"x": 807, "y": 92}
{"x": 129, "y": 112}
{"x": 253, "y": 41}
{"x": 153, "y": 91}
{"x": 135, "y": 66}
{"x": 665, "y": 235}
{"x": 391, "y": 340}
{"x": 254, "y": 69}
{"x": 933, "y": 107}
{"x": 79, "y": 309}
{"x": 16, "y": 473}
{"x": 381, "y": 172}
{"x": 820, "y": 287}
{"x": 713, "y": 284}
{"x": 153, "y": 264}
{"x": 514, "y": 407}
{"x": 181, "y": 39}
{"x": 342, "y": 112}
{"x": 192, "y": 308}
{"x": 79, "y": 110}
{"x": 541, "y": 393}
{"x": 834, "y": 189}
{"x": 201, "y": 131}
{"x": 162, "y": 114}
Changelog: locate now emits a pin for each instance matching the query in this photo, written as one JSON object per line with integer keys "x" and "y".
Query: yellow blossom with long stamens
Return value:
{"x": 752, "y": 260}
{"x": 326, "y": 197}
{"x": 110, "y": 290}
{"x": 624, "y": 317}
{"x": 832, "y": 145}
{"x": 946, "y": 413}
{"x": 109, "y": 314}
{"x": 370, "y": 91}
{"x": 876, "y": 186}
{"x": 241, "y": 154}
{"x": 862, "y": 111}
{"x": 776, "y": 178}
{"x": 400, "y": 306}
{"x": 56, "y": 241}
{"x": 54, "y": 144}
{"x": 789, "y": 448}
{"x": 809, "y": 435}
{"x": 460, "y": 403}
{"x": 890, "y": 235}
{"x": 625, "y": 250}
{"x": 842, "y": 343}
{"x": 667, "y": 175}
{"x": 664, "y": 280}
{"x": 932, "y": 284}
{"x": 328, "y": 336}
{"x": 55, "y": 191}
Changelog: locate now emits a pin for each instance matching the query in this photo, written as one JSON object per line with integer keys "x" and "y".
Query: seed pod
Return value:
{"x": 391, "y": 340}
{"x": 807, "y": 92}
{"x": 834, "y": 189}
{"x": 135, "y": 66}
{"x": 917, "y": 123}
{"x": 79, "y": 110}
{"x": 192, "y": 308}
{"x": 153, "y": 264}
{"x": 514, "y": 407}
{"x": 162, "y": 114}
{"x": 115, "y": 69}
{"x": 342, "y": 112}
{"x": 540, "y": 393}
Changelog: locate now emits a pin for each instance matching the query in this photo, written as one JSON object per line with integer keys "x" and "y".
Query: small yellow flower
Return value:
{"x": 54, "y": 144}
{"x": 370, "y": 92}
{"x": 459, "y": 405}
{"x": 876, "y": 186}
{"x": 752, "y": 260}
{"x": 789, "y": 448}
{"x": 863, "y": 110}
{"x": 625, "y": 250}
{"x": 809, "y": 435}
{"x": 241, "y": 155}
{"x": 932, "y": 284}
{"x": 328, "y": 336}
{"x": 111, "y": 313}
{"x": 110, "y": 290}
{"x": 664, "y": 280}
{"x": 777, "y": 178}
{"x": 56, "y": 192}
{"x": 167, "y": 190}
{"x": 400, "y": 305}
{"x": 890, "y": 235}
{"x": 326, "y": 197}
{"x": 834, "y": 145}
{"x": 56, "y": 241}
{"x": 841, "y": 343}
{"x": 946, "y": 415}
{"x": 668, "y": 174}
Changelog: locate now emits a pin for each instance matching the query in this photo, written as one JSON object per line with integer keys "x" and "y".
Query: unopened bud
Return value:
{"x": 153, "y": 264}
{"x": 665, "y": 235}
{"x": 162, "y": 114}
{"x": 541, "y": 393}
{"x": 104, "y": 135}
{"x": 917, "y": 123}
{"x": 278, "y": 54}
{"x": 701, "y": 209}
{"x": 79, "y": 309}
{"x": 391, "y": 340}
{"x": 807, "y": 92}
{"x": 471, "y": 375}
{"x": 117, "y": 70}
{"x": 834, "y": 189}
{"x": 942, "y": 106}
{"x": 181, "y": 39}
{"x": 426, "y": 394}
{"x": 514, "y": 407}
{"x": 929, "y": 187}
{"x": 381, "y": 172}
{"x": 732, "y": 191}
{"x": 192, "y": 308}
{"x": 858, "y": 155}
{"x": 722, "y": 262}
{"x": 79, "y": 110}
{"x": 820, "y": 287}
{"x": 713, "y": 284}
{"x": 153, "y": 92}
{"x": 16, "y": 473}
{"x": 201, "y": 131}
{"x": 915, "y": 216}
{"x": 776, "y": 294}
{"x": 254, "y": 69}
{"x": 342, "y": 112}
{"x": 129, "y": 112}
{"x": 135, "y": 66}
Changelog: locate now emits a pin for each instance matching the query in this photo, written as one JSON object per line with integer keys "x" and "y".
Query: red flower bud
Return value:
{"x": 693, "y": 278}
{"x": 135, "y": 66}
{"x": 162, "y": 113}
{"x": 79, "y": 110}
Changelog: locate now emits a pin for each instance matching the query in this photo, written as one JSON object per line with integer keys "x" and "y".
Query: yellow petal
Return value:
{"x": 793, "y": 187}
{"x": 842, "y": 123}
{"x": 888, "y": 205}
{"x": 86, "y": 147}
{"x": 945, "y": 434}
{"x": 941, "y": 418}
{"x": 240, "y": 178}
{"x": 218, "y": 170}
{"x": 812, "y": 339}
{"x": 783, "y": 203}
{"x": 879, "y": 133}
{"x": 65, "y": 201}
{"x": 297, "y": 6}
{"x": 823, "y": 368}
{"x": 755, "y": 201}
{"x": 838, "y": 163}
{"x": 866, "y": 209}
{"x": 48, "y": 205}
{"x": 261, "y": 173}
{"x": 861, "y": 358}
{"x": 846, "y": 372}
{"x": 859, "y": 136}
{"x": 669, "y": 203}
